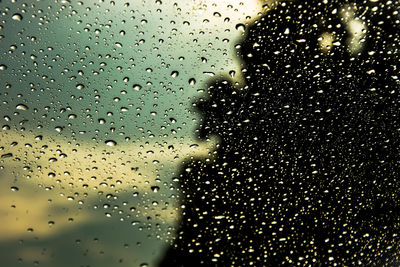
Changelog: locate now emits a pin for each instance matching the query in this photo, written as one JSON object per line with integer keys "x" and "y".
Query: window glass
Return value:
{"x": 178, "y": 133}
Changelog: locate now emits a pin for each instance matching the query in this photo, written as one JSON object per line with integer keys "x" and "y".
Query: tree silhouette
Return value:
{"x": 308, "y": 166}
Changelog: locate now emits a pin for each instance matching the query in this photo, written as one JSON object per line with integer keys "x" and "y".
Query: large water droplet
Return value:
{"x": 7, "y": 155}
{"x": 17, "y": 17}
{"x": 22, "y": 107}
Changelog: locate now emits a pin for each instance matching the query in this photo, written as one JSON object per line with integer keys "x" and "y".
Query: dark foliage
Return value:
{"x": 308, "y": 167}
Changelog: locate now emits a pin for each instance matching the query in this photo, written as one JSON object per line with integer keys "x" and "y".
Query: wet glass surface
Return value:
{"x": 221, "y": 133}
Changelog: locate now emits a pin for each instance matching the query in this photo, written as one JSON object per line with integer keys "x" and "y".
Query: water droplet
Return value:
{"x": 14, "y": 188}
{"x": 192, "y": 81}
{"x": 80, "y": 86}
{"x": 174, "y": 74}
{"x": 7, "y": 155}
{"x": 155, "y": 188}
{"x": 21, "y": 107}
{"x": 17, "y": 17}
{"x": 136, "y": 87}
{"x": 240, "y": 27}
{"x": 111, "y": 143}
{"x": 3, "y": 67}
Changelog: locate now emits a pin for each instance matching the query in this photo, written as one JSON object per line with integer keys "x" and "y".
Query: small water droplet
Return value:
{"x": 136, "y": 87}
{"x": 192, "y": 81}
{"x": 174, "y": 74}
{"x": 111, "y": 143}
{"x": 3, "y": 67}
{"x": 155, "y": 188}
{"x": 80, "y": 86}
{"x": 240, "y": 27}
{"x": 14, "y": 188}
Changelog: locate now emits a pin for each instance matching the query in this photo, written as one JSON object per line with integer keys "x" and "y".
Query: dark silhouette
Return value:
{"x": 308, "y": 167}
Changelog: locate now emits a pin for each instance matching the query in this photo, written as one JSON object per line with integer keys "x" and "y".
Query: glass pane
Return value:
{"x": 179, "y": 133}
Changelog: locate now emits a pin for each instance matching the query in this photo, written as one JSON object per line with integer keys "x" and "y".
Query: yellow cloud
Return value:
{"x": 47, "y": 168}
